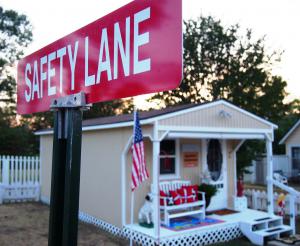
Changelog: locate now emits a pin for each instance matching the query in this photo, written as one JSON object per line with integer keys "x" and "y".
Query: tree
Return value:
{"x": 15, "y": 34}
{"x": 16, "y": 140}
{"x": 110, "y": 108}
{"x": 219, "y": 62}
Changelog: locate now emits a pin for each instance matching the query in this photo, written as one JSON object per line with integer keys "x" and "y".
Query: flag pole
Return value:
{"x": 132, "y": 192}
{"x": 132, "y": 215}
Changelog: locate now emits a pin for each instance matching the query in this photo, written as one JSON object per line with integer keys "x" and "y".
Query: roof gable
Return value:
{"x": 290, "y": 132}
{"x": 218, "y": 114}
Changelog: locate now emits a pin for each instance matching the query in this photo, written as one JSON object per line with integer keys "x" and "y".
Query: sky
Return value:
{"x": 278, "y": 20}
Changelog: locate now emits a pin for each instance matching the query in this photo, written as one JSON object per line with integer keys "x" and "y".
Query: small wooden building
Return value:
{"x": 181, "y": 143}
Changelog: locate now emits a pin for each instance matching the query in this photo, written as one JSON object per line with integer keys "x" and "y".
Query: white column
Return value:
{"x": 234, "y": 151}
{"x": 204, "y": 155}
{"x": 155, "y": 175}
{"x": 292, "y": 213}
{"x": 270, "y": 176}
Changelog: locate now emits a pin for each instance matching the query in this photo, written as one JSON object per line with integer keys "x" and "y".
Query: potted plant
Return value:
{"x": 210, "y": 191}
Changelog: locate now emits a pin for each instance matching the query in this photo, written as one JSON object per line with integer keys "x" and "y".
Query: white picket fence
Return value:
{"x": 19, "y": 178}
{"x": 257, "y": 199}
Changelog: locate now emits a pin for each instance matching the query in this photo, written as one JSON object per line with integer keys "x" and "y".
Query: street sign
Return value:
{"x": 134, "y": 50}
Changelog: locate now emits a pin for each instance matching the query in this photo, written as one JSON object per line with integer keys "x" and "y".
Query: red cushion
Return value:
{"x": 183, "y": 194}
{"x": 162, "y": 194}
{"x": 191, "y": 192}
{"x": 194, "y": 190}
{"x": 176, "y": 197}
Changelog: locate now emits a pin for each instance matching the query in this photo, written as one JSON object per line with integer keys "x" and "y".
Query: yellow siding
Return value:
{"x": 209, "y": 117}
{"x": 46, "y": 143}
{"x": 100, "y": 184}
{"x": 294, "y": 138}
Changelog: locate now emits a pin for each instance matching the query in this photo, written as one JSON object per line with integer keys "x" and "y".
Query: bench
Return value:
{"x": 185, "y": 209}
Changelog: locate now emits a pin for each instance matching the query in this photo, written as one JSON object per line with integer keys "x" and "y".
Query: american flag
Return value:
{"x": 139, "y": 171}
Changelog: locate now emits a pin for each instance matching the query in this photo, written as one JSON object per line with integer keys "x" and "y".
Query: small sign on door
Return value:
{"x": 190, "y": 159}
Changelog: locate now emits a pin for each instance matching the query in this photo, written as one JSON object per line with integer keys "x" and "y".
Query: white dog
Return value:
{"x": 146, "y": 211}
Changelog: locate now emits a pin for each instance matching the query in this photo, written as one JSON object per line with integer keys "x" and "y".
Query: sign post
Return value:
{"x": 65, "y": 180}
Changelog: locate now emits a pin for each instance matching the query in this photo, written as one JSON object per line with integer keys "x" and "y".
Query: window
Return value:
{"x": 296, "y": 158}
{"x": 168, "y": 158}
{"x": 214, "y": 159}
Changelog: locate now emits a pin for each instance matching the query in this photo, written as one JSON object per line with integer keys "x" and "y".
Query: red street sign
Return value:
{"x": 134, "y": 50}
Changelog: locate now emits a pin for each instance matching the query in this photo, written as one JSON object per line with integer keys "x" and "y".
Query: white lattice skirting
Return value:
{"x": 223, "y": 234}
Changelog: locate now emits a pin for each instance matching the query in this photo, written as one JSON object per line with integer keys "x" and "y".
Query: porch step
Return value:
{"x": 258, "y": 231}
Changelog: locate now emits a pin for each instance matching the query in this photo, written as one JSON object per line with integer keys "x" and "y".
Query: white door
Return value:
{"x": 214, "y": 157}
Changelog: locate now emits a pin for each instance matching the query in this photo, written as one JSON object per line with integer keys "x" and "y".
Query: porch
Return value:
{"x": 212, "y": 135}
{"x": 228, "y": 229}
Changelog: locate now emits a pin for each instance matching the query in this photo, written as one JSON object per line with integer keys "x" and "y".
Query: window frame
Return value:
{"x": 292, "y": 159}
{"x": 176, "y": 175}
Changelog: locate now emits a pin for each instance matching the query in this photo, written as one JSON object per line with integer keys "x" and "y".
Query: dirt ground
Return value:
{"x": 26, "y": 224}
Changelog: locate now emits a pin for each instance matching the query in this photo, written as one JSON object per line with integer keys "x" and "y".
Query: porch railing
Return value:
{"x": 258, "y": 200}
{"x": 19, "y": 178}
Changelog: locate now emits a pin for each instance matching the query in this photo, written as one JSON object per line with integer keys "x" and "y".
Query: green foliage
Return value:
{"x": 15, "y": 34}
{"x": 219, "y": 62}
{"x": 109, "y": 108}
{"x": 210, "y": 190}
{"x": 16, "y": 139}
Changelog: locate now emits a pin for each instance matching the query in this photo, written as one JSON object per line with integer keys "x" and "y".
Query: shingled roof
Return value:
{"x": 129, "y": 117}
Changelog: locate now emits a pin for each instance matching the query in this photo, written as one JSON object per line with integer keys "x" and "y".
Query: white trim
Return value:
{"x": 234, "y": 164}
{"x": 289, "y": 132}
{"x": 215, "y": 135}
{"x": 41, "y": 164}
{"x": 169, "y": 115}
{"x": 225, "y": 169}
{"x": 270, "y": 176}
{"x": 155, "y": 180}
{"x": 204, "y": 155}
{"x": 290, "y": 154}
{"x": 123, "y": 178}
{"x": 213, "y": 129}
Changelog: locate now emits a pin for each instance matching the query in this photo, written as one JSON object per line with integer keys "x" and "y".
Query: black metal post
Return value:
{"x": 72, "y": 177}
{"x": 57, "y": 183}
{"x": 65, "y": 181}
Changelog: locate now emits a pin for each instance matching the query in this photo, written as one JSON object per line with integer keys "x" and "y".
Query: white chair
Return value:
{"x": 175, "y": 211}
